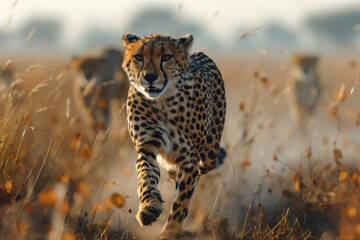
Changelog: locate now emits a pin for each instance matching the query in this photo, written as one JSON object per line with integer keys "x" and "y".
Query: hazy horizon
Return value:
{"x": 221, "y": 21}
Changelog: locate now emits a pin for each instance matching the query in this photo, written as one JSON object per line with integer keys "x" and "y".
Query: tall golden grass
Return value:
{"x": 52, "y": 182}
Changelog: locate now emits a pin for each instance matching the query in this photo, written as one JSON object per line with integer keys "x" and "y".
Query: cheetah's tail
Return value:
{"x": 221, "y": 157}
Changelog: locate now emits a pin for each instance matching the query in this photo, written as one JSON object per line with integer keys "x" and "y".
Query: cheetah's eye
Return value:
{"x": 166, "y": 58}
{"x": 139, "y": 57}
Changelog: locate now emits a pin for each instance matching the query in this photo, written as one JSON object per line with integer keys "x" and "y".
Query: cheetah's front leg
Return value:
{"x": 186, "y": 180}
{"x": 148, "y": 173}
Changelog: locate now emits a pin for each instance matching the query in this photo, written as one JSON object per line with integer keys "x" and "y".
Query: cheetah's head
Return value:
{"x": 88, "y": 68}
{"x": 305, "y": 67}
{"x": 155, "y": 63}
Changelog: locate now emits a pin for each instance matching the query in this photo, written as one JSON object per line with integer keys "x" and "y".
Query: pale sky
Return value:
{"x": 115, "y": 14}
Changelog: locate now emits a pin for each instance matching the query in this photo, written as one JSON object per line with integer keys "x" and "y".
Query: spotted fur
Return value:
{"x": 176, "y": 112}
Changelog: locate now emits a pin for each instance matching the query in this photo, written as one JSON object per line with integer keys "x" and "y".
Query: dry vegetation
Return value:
{"x": 58, "y": 182}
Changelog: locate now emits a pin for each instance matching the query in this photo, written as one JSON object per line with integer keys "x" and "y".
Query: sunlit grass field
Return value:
{"x": 61, "y": 180}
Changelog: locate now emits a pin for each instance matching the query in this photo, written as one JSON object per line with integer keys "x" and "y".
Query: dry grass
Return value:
{"x": 52, "y": 172}
{"x": 48, "y": 164}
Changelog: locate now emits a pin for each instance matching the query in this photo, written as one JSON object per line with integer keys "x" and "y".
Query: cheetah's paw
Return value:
{"x": 148, "y": 214}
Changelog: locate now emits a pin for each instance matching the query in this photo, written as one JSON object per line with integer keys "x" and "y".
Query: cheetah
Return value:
{"x": 304, "y": 88}
{"x": 176, "y": 111}
{"x": 99, "y": 79}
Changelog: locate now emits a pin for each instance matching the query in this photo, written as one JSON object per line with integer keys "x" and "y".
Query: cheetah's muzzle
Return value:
{"x": 153, "y": 90}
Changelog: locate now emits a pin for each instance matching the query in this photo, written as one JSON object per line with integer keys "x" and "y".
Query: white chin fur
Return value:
{"x": 150, "y": 95}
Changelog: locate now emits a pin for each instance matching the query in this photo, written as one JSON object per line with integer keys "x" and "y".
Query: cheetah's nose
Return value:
{"x": 150, "y": 77}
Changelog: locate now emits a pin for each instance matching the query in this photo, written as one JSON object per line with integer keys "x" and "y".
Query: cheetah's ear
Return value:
{"x": 185, "y": 41}
{"x": 129, "y": 38}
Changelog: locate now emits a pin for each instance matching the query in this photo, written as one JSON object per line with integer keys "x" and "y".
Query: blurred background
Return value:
{"x": 272, "y": 162}
{"x": 74, "y": 26}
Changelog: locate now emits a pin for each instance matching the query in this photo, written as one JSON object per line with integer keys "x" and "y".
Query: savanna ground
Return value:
{"x": 278, "y": 181}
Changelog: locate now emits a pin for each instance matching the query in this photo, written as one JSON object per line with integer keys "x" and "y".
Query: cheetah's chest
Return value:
{"x": 186, "y": 120}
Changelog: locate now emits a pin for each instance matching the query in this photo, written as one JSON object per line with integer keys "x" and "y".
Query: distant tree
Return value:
{"x": 150, "y": 21}
{"x": 96, "y": 36}
{"x": 277, "y": 35}
{"x": 43, "y": 30}
{"x": 5, "y": 38}
{"x": 337, "y": 27}
{"x": 165, "y": 21}
{"x": 266, "y": 36}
